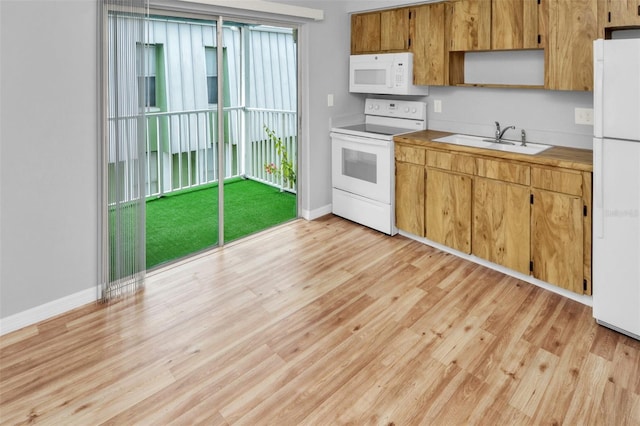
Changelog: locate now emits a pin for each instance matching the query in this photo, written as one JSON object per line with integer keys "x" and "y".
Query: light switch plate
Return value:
{"x": 437, "y": 105}
{"x": 584, "y": 116}
{"x": 330, "y": 100}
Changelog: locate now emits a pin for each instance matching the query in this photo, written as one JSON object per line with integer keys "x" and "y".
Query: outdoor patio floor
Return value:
{"x": 184, "y": 223}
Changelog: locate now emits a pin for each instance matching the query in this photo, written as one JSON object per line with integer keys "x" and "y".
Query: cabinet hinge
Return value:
{"x": 609, "y": 16}
{"x": 531, "y": 266}
{"x": 538, "y": 1}
{"x": 531, "y": 198}
{"x": 639, "y": 10}
{"x": 539, "y": 39}
{"x": 409, "y": 45}
{"x": 584, "y": 285}
{"x": 584, "y": 211}
{"x": 410, "y": 15}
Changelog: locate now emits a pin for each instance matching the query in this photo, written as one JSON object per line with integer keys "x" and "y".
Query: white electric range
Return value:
{"x": 363, "y": 176}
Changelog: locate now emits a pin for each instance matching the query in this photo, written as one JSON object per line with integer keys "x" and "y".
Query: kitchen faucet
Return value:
{"x": 500, "y": 134}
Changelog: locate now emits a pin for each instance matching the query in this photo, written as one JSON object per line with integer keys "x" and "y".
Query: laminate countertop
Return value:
{"x": 557, "y": 156}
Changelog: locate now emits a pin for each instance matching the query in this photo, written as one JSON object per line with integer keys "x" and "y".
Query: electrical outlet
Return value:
{"x": 437, "y": 105}
{"x": 584, "y": 116}
{"x": 330, "y": 100}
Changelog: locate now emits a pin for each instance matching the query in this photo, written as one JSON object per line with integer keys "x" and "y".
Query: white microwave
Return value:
{"x": 383, "y": 74}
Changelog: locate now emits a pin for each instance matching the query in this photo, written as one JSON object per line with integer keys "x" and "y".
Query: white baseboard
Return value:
{"x": 580, "y": 298}
{"x": 47, "y": 310}
{"x": 316, "y": 213}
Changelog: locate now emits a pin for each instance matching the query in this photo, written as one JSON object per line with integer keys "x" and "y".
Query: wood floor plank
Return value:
{"x": 534, "y": 383}
{"x": 560, "y": 390}
{"x": 323, "y": 322}
{"x": 584, "y": 406}
{"x": 401, "y": 349}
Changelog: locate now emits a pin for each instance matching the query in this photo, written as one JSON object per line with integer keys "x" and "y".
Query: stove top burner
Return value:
{"x": 376, "y": 129}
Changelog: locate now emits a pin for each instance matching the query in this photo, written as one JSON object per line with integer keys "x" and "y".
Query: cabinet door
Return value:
{"x": 427, "y": 44}
{"x": 410, "y": 198}
{"x": 569, "y": 52}
{"x": 514, "y": 24}
{"x": 622, "y": 13}
{"x": 557, "y": 239}
{"x": 448, "y": 209}
{"x": 394, "y": 30}
{"x": 501, "y": 223}
{"x": 365, "y": 33}
{"x": 469, "y": 25}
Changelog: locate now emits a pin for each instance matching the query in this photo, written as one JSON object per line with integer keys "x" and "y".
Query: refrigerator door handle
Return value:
{"x": 598, "y": 77}
{"x": 598, "y": 190}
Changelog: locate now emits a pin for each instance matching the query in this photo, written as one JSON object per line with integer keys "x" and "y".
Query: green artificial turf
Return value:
{"x": 181, "y": 224}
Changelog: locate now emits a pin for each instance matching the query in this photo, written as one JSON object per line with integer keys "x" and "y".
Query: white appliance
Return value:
{"x": 616, "y": 190}
{"x": 384, "y": 74}
{"x": 362, "y": 161}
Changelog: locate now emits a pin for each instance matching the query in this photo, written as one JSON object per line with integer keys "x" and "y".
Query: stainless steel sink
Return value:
{"x": 480, "y": 142}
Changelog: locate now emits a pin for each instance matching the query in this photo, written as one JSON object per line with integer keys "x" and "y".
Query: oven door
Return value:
{"x": 362, "y": 166}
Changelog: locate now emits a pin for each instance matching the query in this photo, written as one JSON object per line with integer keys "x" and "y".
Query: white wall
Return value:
{"x": 48, "y": 145}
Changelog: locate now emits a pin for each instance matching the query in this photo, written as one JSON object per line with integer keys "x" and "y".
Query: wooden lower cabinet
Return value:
{"x": 501, "y": 215}
{"x": 448, "y": 209}
{"x": 410, "y": 197}
{"x": 557, "y": 239}
{"x": 534, "y": 219}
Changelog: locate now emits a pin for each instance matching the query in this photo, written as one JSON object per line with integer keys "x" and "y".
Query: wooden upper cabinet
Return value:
{"x": 569, "y": 53}
{"x": 394, "y": 30}
{"x": 365, "y": 33}
{"x": 428, "y": 44}
{"x": 621, "y": 13}
{"x": 376, "y": 32}
{"x": 515, "y": 24}
{"x": 469, "y": 25}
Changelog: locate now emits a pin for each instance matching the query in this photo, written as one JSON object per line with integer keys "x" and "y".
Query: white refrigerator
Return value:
{"x": 616, "y": 185}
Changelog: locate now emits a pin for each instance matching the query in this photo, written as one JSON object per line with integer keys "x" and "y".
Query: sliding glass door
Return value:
{"x": 211, "y": 153}
{"x": 262, "y": 143}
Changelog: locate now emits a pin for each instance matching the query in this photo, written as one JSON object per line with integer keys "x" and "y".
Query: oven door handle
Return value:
{"x": 360, "y": 140}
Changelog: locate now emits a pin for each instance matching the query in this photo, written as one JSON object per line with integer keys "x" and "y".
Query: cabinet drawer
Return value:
{"x": 450, "y": 161}
{"x": 503, "y": 170}
{"x": 557, "y": 180}
{"x": 409, "y": 154}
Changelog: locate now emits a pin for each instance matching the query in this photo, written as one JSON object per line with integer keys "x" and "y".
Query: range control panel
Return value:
{"x": 396, "y": 108}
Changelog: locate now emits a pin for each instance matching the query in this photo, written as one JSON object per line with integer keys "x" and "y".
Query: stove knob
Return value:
{"x": 370, "y": 106}
{"x": 377, "y": 107}
{"x": 414, "y": 110}
{"x": 406, "y": 109}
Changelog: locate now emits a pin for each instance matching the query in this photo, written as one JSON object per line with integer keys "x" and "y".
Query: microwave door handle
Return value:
{"x": 390, "y": 76}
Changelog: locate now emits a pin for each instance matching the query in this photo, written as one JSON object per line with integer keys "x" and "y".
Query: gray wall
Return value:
{"x": 48, "y": 153}
{"x": 325, "y": 64}
{"x": 48, "y": 172}
{"x": 547, "y": 116}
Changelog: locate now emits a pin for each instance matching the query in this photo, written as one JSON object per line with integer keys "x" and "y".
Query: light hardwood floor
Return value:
{"x": 323, "y": 323}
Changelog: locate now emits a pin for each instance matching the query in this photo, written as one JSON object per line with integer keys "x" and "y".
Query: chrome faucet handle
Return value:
{"x": 523, "y": 138}
{"x": 497, "y": 130}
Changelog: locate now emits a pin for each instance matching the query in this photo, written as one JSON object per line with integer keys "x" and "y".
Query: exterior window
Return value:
{"x": 147, "y": 75}
{"x": 212, "y": 74}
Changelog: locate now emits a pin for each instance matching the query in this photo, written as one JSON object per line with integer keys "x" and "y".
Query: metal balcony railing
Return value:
{"x": 181, "y": 149}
